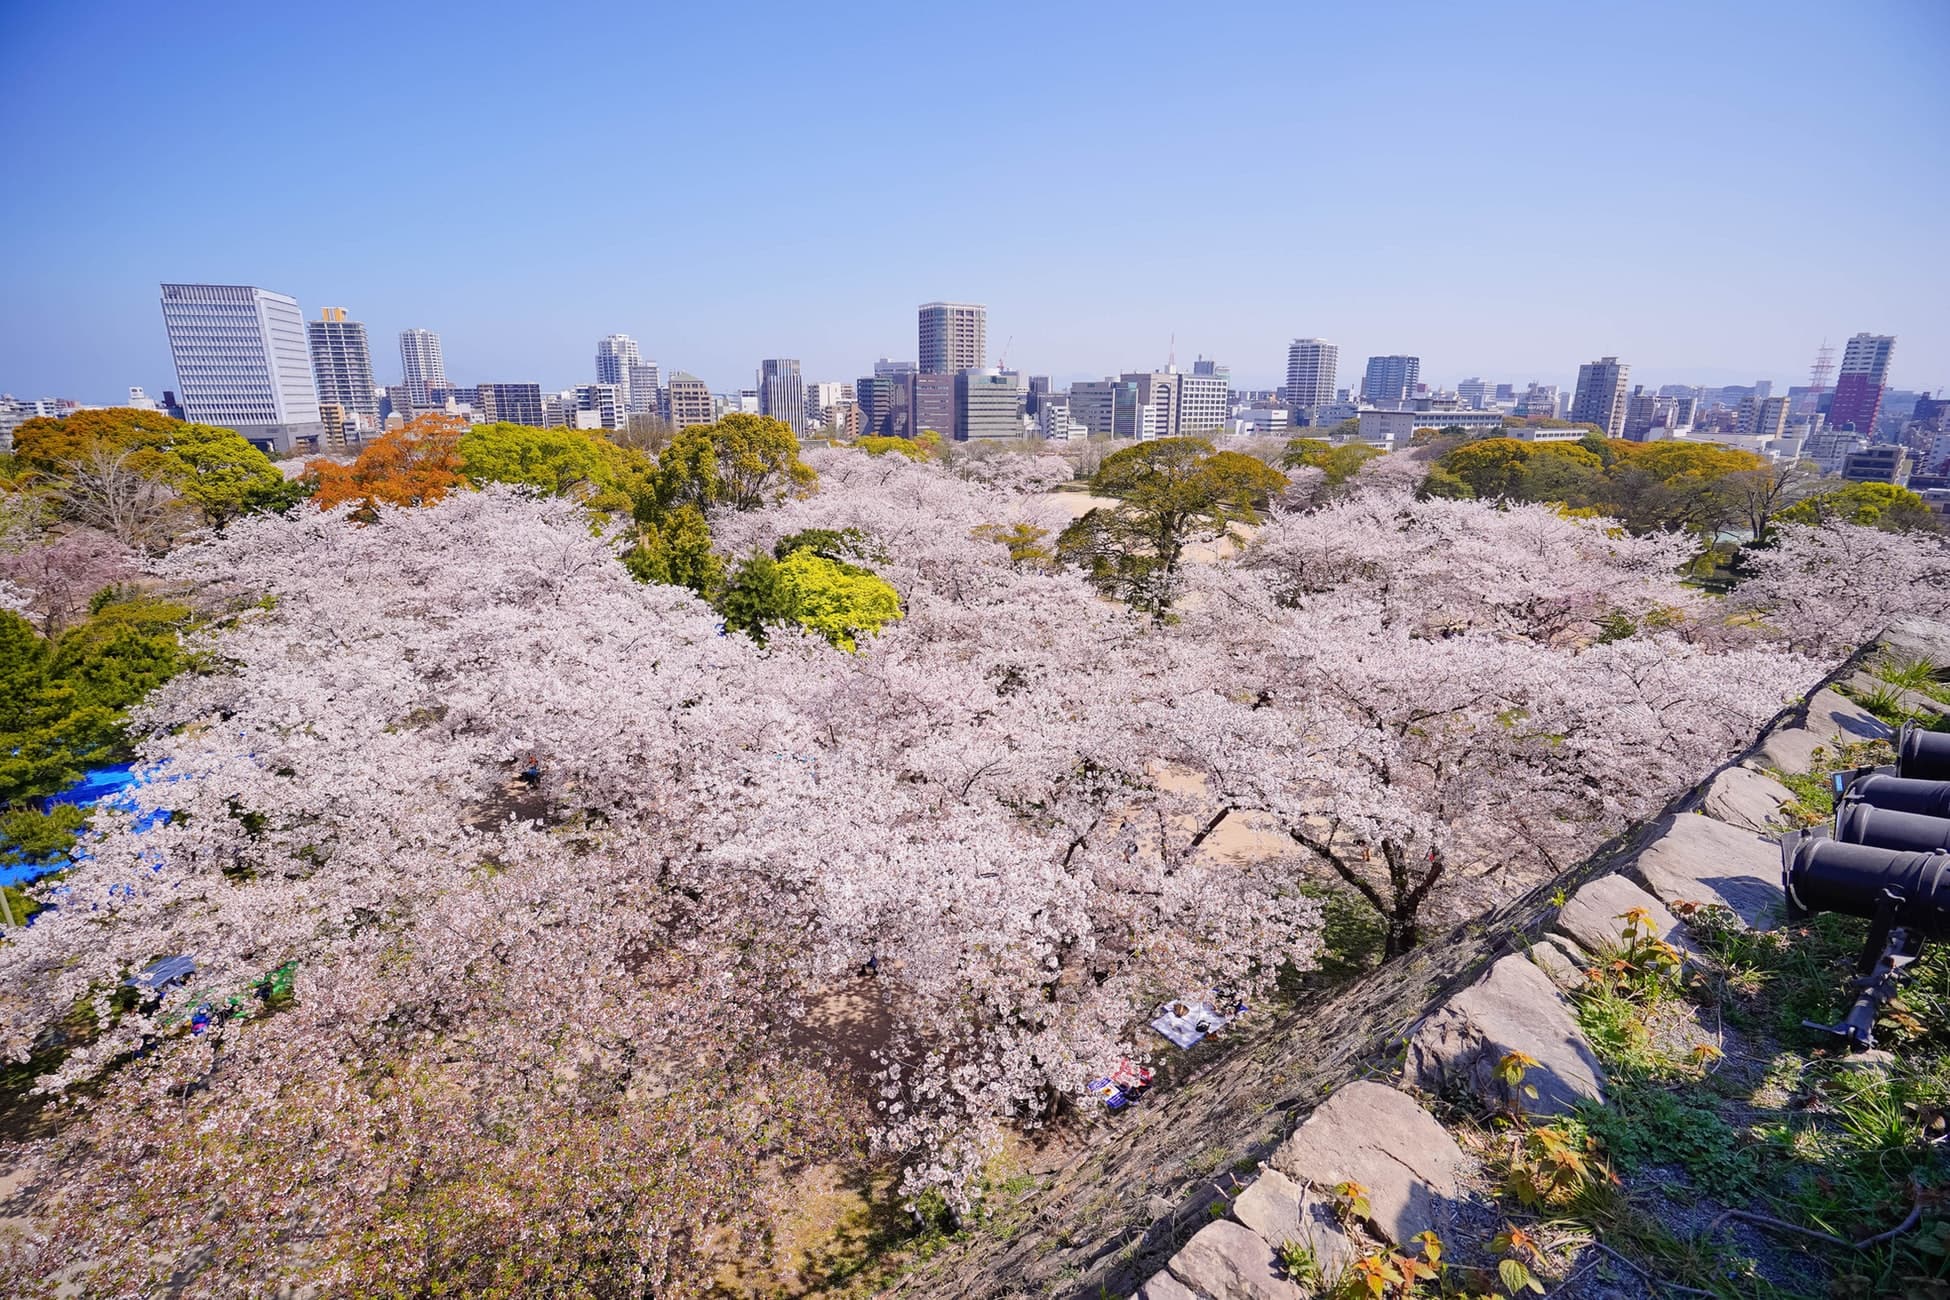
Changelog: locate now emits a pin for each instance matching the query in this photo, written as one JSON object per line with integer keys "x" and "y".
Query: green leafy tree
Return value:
{"x": 675, "y": 548}
{"x": 841, "y": 602}
{"x": 1490, "y": 467}
{"x": 1871, "y": 505}
{"x": 875, "y": 445}
{"x": 742, "y": 461}
{"x": 1170, "y": 492}
{"x": 213, "y": 469}
{"x": 565, "y": 462}
{"x": 1338, "y": 462}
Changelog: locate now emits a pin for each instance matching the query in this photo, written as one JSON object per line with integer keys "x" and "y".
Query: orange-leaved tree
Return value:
{"x": 414, "y": 465}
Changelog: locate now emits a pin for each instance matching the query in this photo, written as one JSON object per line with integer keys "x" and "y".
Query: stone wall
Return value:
{"x": 1138, "y": 1211}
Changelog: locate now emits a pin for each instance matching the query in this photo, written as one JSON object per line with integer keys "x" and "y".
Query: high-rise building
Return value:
{"x": 781, "y": 393}
{"x": 1093, "y": 404}
{"x": 954, "y": 336}
{"x": 988, "y": 404}
{"x": 1310, "y": 367}
{"x": 1860, "y": 383}
{"x": 341, "y": 365}
{"x": 1053, "y": 418}
{"x": 242, "y": 361}
{"x": 615, "y": 354}
{"x": 887, "y": 367}
{"x": 422, "y": 366}
{"x": 512, "y": 404}
{"x": 646, "y": 397}
{"x": 1204, "y": 404}
{"x": 1474, "y": 392}
{"x": 886, "y": 404}
{"x": 1211, "y": 369}
{"x": 690, "y": 401}
{"x": 933, "y": 407}
{"x": 1600, "y": 395}
{"x": 1391, "y": 379}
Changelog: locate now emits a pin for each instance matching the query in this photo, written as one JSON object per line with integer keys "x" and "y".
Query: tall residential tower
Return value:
{"x": 242, "y": 361}
{"x": 1860, "y": 383}
{"x": 1391, "y": 379}
{"x": 1600, "y": 395}
{"x": 781, "y": 393}
{"x": 419, "y": 358}
{"x": 341, "y": 364}
{"x": 954, "y": 337}
{"x": 1310, "y": 368}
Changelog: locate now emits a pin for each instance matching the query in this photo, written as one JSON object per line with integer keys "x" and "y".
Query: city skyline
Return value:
{"x": 1523, "y": 273}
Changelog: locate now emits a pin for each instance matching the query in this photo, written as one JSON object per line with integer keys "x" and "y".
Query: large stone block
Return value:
{"x": 1282, "y": 1211}
{"x": 1163, "y": 1286}
{"x": 1748, "y": 799}
{"x": 1831, "y": 723}
{"x": 1514, "y": 1008}
{"x": 1594, "y": 919}
{"x": 1701, "y": 860}
{"x": 1374, "y": 1135}
{"x": 1560, "y": 960}
{"x": 1228, "y": 1262}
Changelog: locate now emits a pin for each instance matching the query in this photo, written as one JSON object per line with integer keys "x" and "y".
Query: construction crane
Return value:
{"x": 1002, "y": 362}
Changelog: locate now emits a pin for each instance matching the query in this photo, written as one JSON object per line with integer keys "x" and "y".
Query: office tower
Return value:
{"x": 886, "y": 367}
{"x": 1860, "y": 383}
{"x": 690, "y": 401}
{"x": 1641, "y": 414}
{"x": 1475, "y": 392}
{"x": 823, "y": 394}
{"x": 781, "y": 394}
{"x": 1391, "y": 379}
{"x": 1093, "y": 404}
{"x": 1053, "y": 420}
{"x": 954, "y": 336}
{"x": 988, "y": 404}
{"x": 615, "y": 354}
{"x": 394, "y": 401}
{"x": 341, "y": 365}
{"x": 420, "y": 363}
{"x": 886, "y": 404}
{"x": 512, "y": 404}
{"x": 242, "y": 362}
{"x": 1506, "y": 393}
{"x": 1204, "y": 402}
{"x": 932, "y": 409}
{"x": 1310, "y": 366}
{"x": 1600, "y": 395}
{"x": 645, "y": 387}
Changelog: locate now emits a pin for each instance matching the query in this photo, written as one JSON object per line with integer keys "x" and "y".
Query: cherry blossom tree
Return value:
{"x": 1827, "y": 588}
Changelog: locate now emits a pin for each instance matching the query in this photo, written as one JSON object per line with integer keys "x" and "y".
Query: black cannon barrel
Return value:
{"x": 1900, "y": 794}
{"x": 1922, "y": 755}
{"x": 1862, "y": 823}
{"x": 1826, "y": 875}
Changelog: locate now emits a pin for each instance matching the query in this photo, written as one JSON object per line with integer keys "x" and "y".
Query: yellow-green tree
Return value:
{"x": 742, "y": 461}
{"x": 1170, "y": 492}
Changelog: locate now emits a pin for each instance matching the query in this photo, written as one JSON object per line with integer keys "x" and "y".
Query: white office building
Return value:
{"x": 1600, "y": 395}
{"x": 1053, "y": 419}
{"x": 1397, "y": 428}
{"x": 645, "y": 388}
{"x": 781, "y": 392}
{"x": 615, "y": 354}
{"x": 242, "y": 362}
{"x": 1310, "y": 369}
{"x": 421, "y": 363}
{"x": 1203, "y": 403}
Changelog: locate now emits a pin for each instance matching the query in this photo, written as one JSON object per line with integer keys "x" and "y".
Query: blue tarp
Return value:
{"x": 102, "y": 783}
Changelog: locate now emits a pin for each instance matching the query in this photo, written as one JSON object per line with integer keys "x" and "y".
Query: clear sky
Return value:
{"x": 1707, "y": 190}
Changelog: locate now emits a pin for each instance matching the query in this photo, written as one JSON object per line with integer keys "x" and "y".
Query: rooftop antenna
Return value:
{"x": 1819, "y": 375}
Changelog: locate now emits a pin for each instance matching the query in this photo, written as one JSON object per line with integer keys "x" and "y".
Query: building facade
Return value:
{"x": 243, "y": 362}
{"x": 954, "y": 336}
{"x": 690, "y": 401}
{"x": 1860, "y": 383}
{"x": 512, "y": 404}
{"x": 1310, "y": 368}
{"x": 341, "y": 366}
{"x": 781, "y": 393}
{"x": 932, "y": 409}
{"x": 422, "y": 366}
{"x": 616, "y": 354}
{"x": 1204, "y": 404}
{"x": 646, "y": 389}
{"x": 988, "y": 405}
{"x": 1600, "y": 395}
{"x": 1393, "y": 379}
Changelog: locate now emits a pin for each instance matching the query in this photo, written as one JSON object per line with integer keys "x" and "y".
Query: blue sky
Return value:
{"x": 1707, "y": 190}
